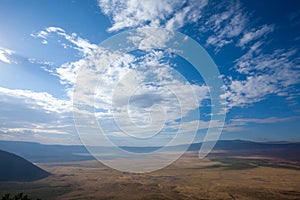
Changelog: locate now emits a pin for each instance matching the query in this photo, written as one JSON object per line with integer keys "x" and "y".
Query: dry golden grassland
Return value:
{"x": 187, "y": 178}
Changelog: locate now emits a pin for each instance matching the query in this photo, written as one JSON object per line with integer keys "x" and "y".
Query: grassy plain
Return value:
{"x": 187, "y": 178}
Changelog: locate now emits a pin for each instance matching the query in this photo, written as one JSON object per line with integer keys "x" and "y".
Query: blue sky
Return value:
{"x": 44, "y": 44}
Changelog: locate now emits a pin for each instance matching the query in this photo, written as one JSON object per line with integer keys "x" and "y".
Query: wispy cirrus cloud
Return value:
{"x": 266, "y": 74}
{"x": 38, "y": 99}
{"x": 5, "y": 55}
{"x": 269, "y": 120}
{"x": 255, "y": 34}
{"x": 78, "y": 43}
{"x": 226, "y": 25}
{"x": 35, "y": 116}
{"x": 240, "y": 124}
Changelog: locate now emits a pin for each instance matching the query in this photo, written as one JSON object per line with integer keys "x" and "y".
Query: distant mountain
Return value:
{"x": 41, "y": 153}
{"x": 245, "y": 145}
{"x": 16, "y": 168}
{"x": 225, "y": 148}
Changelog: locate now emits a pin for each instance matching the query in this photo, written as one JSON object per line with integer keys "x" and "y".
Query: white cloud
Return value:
{"x": 189, "y": 14}
{"x": 147, "y": 39}
{"x": 170, "y": 14}
{"x": 113, "y": 66}
{"x": 35, "y": 116}
{"x": 265, "y": 74}
{"x": 135, "y": 13}
{"x": 40, "y": 137}
{"x": 249, "y": 91}
{"x": 269, "y": 120}
{"x": 139, "y": 83}
{"x": 37, "y": 99}
{"x": 111, "y": 70}
{"x": 5, "y": 55}
{"x": 41, "y": 34}
{"x": 236, "y": 125}
{"x": 226, "y": 25}
{"x": 255, "y": 34}
{"x": 52, "y": 29}
{"x": 34, "y": 130}
{"x": 280, "y": 63}
{"x": 231, "y": 24}
{"x": 228, "y": 22}
{"x": 44, "y": 42}
{"x": 81, "y": 44}
{"x": 67, "y": 72}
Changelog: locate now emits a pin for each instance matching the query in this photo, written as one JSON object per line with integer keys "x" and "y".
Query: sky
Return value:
{"x": 46, "y": 46}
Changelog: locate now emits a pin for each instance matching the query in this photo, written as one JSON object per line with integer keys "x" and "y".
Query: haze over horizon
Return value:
{"x": 255, "y": 45}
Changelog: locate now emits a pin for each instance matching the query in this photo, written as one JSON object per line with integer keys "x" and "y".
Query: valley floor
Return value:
{"x": 187, "y": 178}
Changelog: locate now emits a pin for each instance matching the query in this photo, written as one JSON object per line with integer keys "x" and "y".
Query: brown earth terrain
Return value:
{"x": 188, "y": 178}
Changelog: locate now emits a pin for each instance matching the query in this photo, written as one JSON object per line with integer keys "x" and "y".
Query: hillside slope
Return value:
{"x": 16, "y": 168}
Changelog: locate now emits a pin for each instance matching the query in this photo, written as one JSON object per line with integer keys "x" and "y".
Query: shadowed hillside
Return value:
{"x": 15, "y": 168}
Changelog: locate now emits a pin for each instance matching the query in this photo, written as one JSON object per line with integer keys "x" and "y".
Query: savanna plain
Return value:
{"x": 215, "y": 177}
